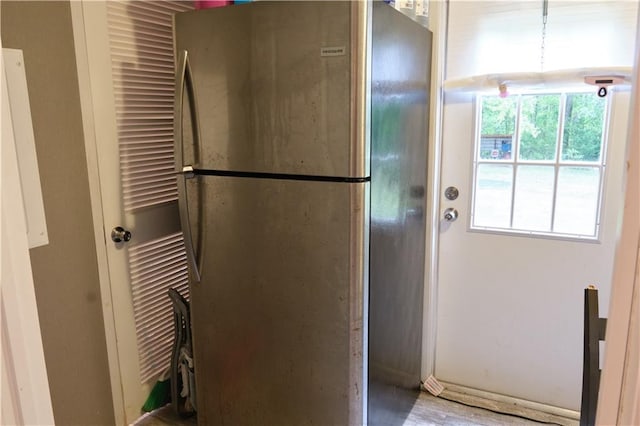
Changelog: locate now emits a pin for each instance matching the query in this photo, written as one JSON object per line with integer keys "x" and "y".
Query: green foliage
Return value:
{"x": 582, "y": 134}
{"x": 539, "y": 127}
{"x": 584, "y": 116}
{"x": 498, "y": 116}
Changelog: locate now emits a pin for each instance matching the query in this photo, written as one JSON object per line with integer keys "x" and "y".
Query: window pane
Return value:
{"x": 533, "y": 198}
{"x": 497, "y": 128}
{"x": 582, "y": 138}
{"x": 577, "y": 200}
{"x": 539, "y": 127}
{"x": 493, "y": 195}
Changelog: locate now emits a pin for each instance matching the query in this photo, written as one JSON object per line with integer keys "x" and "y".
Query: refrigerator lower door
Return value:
{"x": 277, "y": 317}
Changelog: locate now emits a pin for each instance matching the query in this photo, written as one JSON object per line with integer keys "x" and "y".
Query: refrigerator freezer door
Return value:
{"x": 278, "y": 314}
{"x": 280, "y": 87}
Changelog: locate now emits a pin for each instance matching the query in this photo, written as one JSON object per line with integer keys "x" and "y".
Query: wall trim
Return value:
{"x": 507, "y": 404}
{"x": 93, "y": 169}
{"x": 438, "y": 26}
{"x": 21, "y": 352}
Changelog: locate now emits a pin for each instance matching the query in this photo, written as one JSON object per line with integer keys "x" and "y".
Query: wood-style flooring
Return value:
{"x": 427, "y": 411}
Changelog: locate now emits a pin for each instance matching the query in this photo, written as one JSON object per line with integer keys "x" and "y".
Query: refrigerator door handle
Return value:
{"x": 184, "y": 78}
{"x": 195, "y": 260}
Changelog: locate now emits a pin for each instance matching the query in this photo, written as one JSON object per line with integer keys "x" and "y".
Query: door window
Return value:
{"x": 539, "y": 164}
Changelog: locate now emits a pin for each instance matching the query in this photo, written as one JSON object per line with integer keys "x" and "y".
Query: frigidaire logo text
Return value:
{"x": 333, "y": 51}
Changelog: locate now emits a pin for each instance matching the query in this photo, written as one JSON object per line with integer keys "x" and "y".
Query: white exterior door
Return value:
{"x": 126, "y": 73}
{"x": 510, "y": 307}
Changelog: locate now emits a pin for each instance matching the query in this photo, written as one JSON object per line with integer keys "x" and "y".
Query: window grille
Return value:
{"x": 539, "y": 164}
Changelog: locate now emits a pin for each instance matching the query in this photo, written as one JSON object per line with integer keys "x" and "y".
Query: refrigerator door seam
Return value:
{"x": 278, "y": 176}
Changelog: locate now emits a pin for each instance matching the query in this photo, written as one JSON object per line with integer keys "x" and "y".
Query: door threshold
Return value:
{"x": 509, "y": 405}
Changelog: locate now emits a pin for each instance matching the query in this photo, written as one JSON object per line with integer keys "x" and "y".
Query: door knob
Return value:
{"x": 450, "y": 214}
{"x": 119, "y": 234}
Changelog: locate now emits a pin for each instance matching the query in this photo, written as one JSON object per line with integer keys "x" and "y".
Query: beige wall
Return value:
{"x": 65, "y": 271}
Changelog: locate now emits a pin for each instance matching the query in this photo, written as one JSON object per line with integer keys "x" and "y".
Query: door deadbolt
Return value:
{"x": 119, "y": 234}
{"x": 450, "y": 214}
{"x": 451, "y": 193}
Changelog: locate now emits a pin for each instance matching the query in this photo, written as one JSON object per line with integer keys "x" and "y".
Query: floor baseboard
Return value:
{"x": 509, "y": 405}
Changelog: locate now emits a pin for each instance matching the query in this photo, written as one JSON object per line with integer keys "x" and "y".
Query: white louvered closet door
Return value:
{"x": 141, "y": 47}
{"x": 129, "y": 58}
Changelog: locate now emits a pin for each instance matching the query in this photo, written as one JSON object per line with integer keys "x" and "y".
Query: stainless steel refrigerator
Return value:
{"x": 301, "y": 134}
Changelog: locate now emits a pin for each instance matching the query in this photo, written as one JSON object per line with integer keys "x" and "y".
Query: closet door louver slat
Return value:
{"x": 142, "y": 67}
{"x": 156, "y": 266}
{"x": 141, "y": 43}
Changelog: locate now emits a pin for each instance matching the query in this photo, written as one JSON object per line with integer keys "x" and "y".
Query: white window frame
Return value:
{"x": 557, "y": 164}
